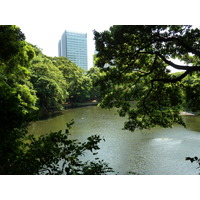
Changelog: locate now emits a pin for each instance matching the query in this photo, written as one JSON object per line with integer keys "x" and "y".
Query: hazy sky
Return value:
{"x": 46, "y": 37}
{"x": 43, "y": 22}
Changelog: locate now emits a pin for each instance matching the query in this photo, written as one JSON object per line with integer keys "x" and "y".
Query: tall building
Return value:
{"x": 74, "y": 47}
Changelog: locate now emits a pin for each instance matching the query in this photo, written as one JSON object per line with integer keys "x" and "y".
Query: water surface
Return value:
{"x": 157, "y": 151}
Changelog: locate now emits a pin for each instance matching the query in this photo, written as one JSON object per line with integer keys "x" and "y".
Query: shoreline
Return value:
{"x": 78, "y": 105}
{"x": 53, "y": 113}
{"x": 187, "y": 113}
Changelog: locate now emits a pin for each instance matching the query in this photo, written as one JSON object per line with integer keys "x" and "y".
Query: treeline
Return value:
{"x": 58, "y": 81}
{"x": 32, "y": 82}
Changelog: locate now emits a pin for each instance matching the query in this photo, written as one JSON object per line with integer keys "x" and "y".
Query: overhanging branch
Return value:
{"x": 173, "y": 80}
{"x": 180, "y": 67}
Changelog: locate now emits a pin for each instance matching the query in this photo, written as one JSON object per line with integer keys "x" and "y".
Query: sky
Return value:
{"x": 43, "y": 22}
{"x": 47, "y": 37}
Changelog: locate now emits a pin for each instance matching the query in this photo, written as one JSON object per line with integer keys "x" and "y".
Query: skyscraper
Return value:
{"x": 74, "y": 47}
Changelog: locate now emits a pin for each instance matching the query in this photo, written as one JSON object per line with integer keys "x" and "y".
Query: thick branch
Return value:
{"x": 180, "y": 67}
{"x": 174, "y": 80}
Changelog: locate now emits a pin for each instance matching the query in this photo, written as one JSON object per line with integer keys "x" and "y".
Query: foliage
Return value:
{"x": 24, "y": 73}
{"x": 11, "y": 42}
{"x": 79, "y": 84}
{"x": 17, "y": 96}
{"x": 133, "y": 62}
{"x": 56, "y": 154}
{"x": 57, "y": 80}
{"x": 94, "y": 73}
{"x": 192, "y": 91}
{"x": 194, "y": 159}
{"x": 14, "y": 71}
{"x": 48, "y": 81}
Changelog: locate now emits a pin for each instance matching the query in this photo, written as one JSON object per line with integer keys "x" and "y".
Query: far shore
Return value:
{"x": 76, "y": 105}
{"x": 52, "y": 113}
{"x": 188, "y": 113}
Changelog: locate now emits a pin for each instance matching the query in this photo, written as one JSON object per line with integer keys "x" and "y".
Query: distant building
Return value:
{"x": 74, "y": 47}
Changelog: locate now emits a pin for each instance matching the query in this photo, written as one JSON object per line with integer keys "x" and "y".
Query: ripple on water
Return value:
{"x": 169, "y": 141}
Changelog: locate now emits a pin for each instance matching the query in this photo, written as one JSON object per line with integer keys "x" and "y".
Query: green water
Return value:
{"x": 157, "y": 151}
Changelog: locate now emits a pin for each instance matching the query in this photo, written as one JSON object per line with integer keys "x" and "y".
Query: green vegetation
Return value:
{"x": 48, "y": 81}
{"x": 32, "y": 82}
{"x": 57, "y": 80}
{"x": 133, "y": 62}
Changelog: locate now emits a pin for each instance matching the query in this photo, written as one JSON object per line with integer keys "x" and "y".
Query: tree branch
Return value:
{"x": 180, "y": 67}
{"x": 174, "y": 80}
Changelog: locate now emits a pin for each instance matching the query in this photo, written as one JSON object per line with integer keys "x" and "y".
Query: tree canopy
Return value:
{"x": 16, "y": 92}
{"x": 57, "y": 81}
{"x": 79, "y": 85}
{"x": 48, "y": 81}
{"x": 135, "y": 77}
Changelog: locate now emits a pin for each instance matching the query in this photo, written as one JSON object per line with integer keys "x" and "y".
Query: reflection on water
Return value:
{"x": 156, "y": 151}
{"x": 193, "y": 122}
{"x": 165, "y": 141}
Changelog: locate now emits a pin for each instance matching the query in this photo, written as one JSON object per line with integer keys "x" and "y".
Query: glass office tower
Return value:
{"x": 74, "y": 47}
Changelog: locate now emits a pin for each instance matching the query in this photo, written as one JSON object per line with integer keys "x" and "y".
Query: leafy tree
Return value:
{"x": 133, "y": 62}
{"x": 17, "y": 96}
{"x": 79, "y": 84}
{"x": 48, "y": 81}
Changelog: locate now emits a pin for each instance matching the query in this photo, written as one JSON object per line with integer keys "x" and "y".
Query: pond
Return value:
{"x": 157, "y": 151}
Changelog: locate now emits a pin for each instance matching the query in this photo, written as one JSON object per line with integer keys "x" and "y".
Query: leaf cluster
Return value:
{"x": 56, "y": 154}
{"x": 49, "y": 82}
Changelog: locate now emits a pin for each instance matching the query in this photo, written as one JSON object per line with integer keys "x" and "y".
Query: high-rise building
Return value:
{"x": 74, "y": 47}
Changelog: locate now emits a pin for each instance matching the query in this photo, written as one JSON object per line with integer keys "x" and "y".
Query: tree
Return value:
{"x": 79, "y": 84}
{"x": 17, "y": 96}
{"x": 133, "y": 62}
{"x": 21, "y": 153}
{"x": 49, "y": 82}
